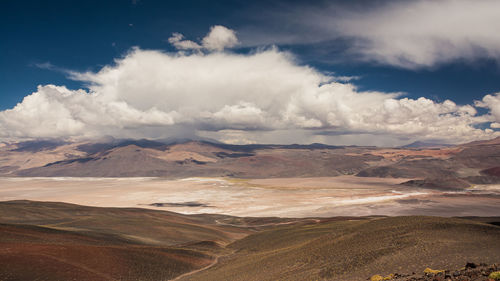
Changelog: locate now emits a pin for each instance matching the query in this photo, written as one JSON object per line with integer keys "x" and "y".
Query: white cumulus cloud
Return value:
{"x": 492, "y": 102}
{"x": 178, "y": 41}
{"x": 218, "y": 39}
{"x": 150, "y": 93}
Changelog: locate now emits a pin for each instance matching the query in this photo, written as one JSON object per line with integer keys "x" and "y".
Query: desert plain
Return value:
{"x": 280, "y": 197}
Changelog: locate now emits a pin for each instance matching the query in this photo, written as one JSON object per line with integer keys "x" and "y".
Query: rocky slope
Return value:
{"x": 470, "y": 272}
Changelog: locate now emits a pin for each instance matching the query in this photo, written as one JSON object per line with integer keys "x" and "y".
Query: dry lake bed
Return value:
{"x": 283, "y": 197}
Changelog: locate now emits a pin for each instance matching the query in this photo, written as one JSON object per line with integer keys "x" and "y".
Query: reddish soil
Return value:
{"x": 37, "y": 253}
{"x": 495, "y": 171}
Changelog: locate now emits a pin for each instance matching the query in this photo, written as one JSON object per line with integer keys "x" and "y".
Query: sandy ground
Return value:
{"x": 288, "y": 197}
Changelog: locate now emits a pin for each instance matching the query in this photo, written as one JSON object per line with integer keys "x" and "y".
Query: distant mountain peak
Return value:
{"x": 422, "y": 144}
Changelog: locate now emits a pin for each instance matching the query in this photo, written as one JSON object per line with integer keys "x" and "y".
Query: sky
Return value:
{"x": 338, "y": 72}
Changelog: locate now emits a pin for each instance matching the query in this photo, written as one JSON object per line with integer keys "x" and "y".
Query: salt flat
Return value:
{"x": 284, "y": 197}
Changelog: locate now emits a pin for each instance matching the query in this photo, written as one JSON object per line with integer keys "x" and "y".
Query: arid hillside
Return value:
{"x": 355, "y": 250}
{"x": 57, "y": 241}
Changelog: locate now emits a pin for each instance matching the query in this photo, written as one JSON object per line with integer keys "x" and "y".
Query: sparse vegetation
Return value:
{"x": 495, "y": 275}
{"x": 378, "y": 277}
{"x": 470, "y": 272}
{"x": 432, "y": 271}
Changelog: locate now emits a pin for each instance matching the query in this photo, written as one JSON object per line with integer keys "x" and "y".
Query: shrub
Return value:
{"x": 432, "y": 271}
{"x": 381, "y": 278}
{"x": 495, "y": 275}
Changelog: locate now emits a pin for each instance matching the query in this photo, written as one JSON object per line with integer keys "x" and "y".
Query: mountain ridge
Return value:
{"x": 464, "y": 163}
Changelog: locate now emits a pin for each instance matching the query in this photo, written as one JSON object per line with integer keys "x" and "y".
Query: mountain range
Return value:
{"x": 454, "y": 166}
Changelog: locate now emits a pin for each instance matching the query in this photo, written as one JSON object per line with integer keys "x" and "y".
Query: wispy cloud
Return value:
{"x": 425, "y": 33}
{"x": 49, "y": 66}
{"x": 409, "y": 34}
{"x": 45, "y": 65}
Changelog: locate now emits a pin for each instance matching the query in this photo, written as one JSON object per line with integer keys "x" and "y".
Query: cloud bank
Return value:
{"x": 153, "y": 94}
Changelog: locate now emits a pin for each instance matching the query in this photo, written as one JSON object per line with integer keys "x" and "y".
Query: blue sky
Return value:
{"x": 42, "y": 41}
{"x": 82, "y": 35}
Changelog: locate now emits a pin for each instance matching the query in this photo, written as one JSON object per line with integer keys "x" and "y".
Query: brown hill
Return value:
{"x": 355, "y": 250}
{"x": 57, "y": 241}
{"x": 40, "y": 253}
{"x": 494, "y": 172}
{"x": 134, "y": 224}
{"x": 495, "y": 141}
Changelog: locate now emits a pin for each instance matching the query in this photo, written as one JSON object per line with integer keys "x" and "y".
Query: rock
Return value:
{"x": 470, "y": 265}
{"x": 471, "y": 272}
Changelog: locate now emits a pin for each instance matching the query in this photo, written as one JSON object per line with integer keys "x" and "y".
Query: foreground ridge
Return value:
{"x": 60, "y": 241}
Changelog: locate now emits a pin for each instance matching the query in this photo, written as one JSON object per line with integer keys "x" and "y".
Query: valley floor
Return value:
{"x": 282, "y": 197}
